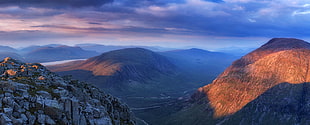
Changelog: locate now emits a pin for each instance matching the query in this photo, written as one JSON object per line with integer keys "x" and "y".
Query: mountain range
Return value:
{"x": 106, "y": 48}
{"x": 48, "y": 54}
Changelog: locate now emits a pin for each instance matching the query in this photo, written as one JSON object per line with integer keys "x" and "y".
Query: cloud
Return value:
{"x": 300, "y": 12}
{"x": 95, "y": 19}
{"x": 54, "y": 3}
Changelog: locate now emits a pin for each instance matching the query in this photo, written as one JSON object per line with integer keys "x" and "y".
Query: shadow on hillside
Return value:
{"x": 284, "y": 103}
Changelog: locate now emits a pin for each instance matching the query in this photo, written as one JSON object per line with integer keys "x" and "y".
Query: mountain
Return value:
{"x": 7, "y": 49}
{"x": 200, "y": 64}
{"x": 31, "y": 94}
{"x": 34, "y": 47}
{"x": 121, "y": 66}
{"x": 11, "y": 54}
{"x": 268, "y": 85}
{"x": 106, "y": 48}
{"x": 48, "y": 54}
{"x": 237, "y": 51}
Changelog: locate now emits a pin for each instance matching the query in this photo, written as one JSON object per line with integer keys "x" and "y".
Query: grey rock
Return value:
{"x": 7, "y": 94}
{"x": 23, "y": 117}
{"x": 8, "y": 111}
{"x": 82, "y": 120}
{"x": 32, "y": 99}
{"x": 5, "y": 120}
{"x": 31, "y": 118}
{"x": 97, "y": 113}
{"x": 104, "y": 121}
{"x": 17, "y": 121}
{"x": 50, "y": 121}
{"x": 8, "y": 101}
{"x": 75, "y": 112}
{"x": 44, "y": 94}
{"x": 41, "y": 118}
{"x": 68, "y": 107}
{"x": 52, "y": 103}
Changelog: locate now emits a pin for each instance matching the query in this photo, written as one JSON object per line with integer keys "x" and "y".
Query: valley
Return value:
{"x": 149, "y": 82}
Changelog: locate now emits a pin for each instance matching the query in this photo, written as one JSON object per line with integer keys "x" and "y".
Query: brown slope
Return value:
{"x": 278, "y": 61}
{"x": 130, "y": 63}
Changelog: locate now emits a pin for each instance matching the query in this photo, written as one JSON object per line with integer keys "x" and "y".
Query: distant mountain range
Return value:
{"x": 106, "y": 48}
{"x": 267, "y": 86}
{"x": 7, "y": 49}
{"x": 48, "y": 54}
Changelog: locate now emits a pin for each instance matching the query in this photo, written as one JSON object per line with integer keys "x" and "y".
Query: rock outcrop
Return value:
{"x": 31, "y": 94}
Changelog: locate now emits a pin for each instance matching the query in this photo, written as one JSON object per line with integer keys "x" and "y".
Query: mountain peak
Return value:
{"x": 285, "y": 43}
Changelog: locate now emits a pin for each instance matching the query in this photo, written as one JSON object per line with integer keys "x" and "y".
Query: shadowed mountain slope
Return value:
{"x": 199, "y": 64}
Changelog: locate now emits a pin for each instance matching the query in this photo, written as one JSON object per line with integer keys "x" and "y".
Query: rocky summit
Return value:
{"x": 31, "y": 94}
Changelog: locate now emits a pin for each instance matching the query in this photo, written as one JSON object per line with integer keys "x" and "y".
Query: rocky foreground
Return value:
{"x": 31, "y": 94}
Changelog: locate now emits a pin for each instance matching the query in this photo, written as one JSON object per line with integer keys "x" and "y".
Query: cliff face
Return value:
{"x": 30, "y": 94}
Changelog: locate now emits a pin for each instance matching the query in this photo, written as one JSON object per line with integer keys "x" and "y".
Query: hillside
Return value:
{"x": 125, "y": 65}
{"x": 31, "y": 94}
{"x": 264, "y": 86}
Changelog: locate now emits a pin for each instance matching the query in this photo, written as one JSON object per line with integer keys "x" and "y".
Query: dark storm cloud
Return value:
{"x": 54, "y": 3}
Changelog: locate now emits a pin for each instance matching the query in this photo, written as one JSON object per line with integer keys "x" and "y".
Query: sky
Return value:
{"x": 169, "y": 23}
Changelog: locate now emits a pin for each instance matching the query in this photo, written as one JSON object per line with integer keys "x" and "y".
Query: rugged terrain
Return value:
{"x": 31, "y": 94}
{"x": 268, "y": 85}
